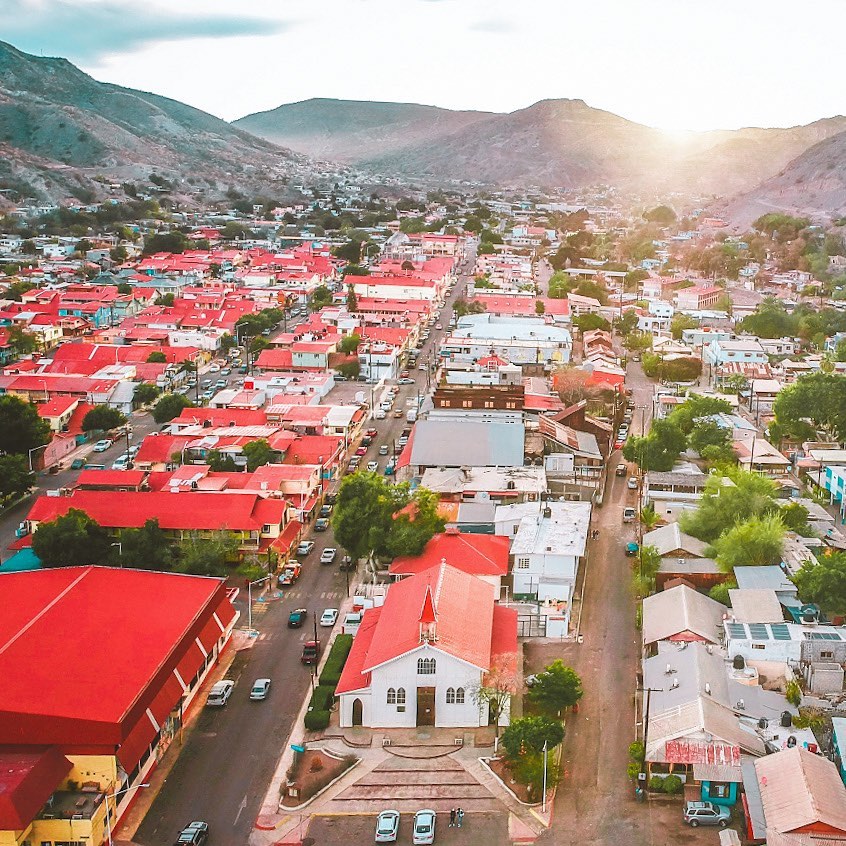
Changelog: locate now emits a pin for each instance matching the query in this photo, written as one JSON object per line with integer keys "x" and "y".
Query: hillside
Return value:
{"x": 813, "y": 184}
{"x": 351, "y": 130}
{"x": 60, "y": 130}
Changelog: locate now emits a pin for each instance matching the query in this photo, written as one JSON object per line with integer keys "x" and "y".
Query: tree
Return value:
{"x": 496, "y": 688}
{"x": 124, "y": 287}
{"x": 540, "y": 308}
{"x": 21, "y": 429}
{"x": 23, "y": 343}
{"x": 659, "y": 449}
{"x": 712, "y": 442}
{"x": 102, "y": 418}
{"x": 824, "y": 581}
{"x": 794, "y": 515}
{"x": 626, "y": 324}
{"x": 165, "y": 300}
{"x": 349, "y": 344}
{"x": 147, "y": 548}
{"x": 589, "y": 288}
{"x": 321, "y": 297}
{"x": 207, "y": 556}
{"x": 349, "y": 369}
{"x": 560, "y": 284}
{"x": 556, "y": 688}
{"x": 165, "y": 242}
{"x": 662, "y": 215}
{"x": 818, "y": 398}
{"x": 119, "y": 255}
{"x": 590, "y": 321}
{"x": 756, "y": 541}
{"x": 572, "y": 384}
{"x": 351, "y": 251}
{"x": 170, "y": 406}
{"x": 634, "y": 277}
{"x": 638, "y": 342}
{"x": 157, "y": 357}
{"x": 649, "y": 517}
{"x": 72, "y": 540}
{"x": 415, "y": 524}
{"x": 529, "y": 734}
{"x": 648, "y": 565}
{"x": 463, "y": 307}
{"x": 258, "y": 453}
{"x": 680, "y": 322}
{"x": 15, "y": 477}
{"x": 145, "y": 393}
{"x": 696, "y": 409}
{"x": 221, "y": 462}
{"x": 720, "y": 592}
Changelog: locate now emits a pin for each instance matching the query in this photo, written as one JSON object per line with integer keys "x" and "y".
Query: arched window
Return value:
{"x": 450, "y": 696}
{"x": 392, "y": 696}
{"x": 400, "y": 696}
{"x": 459, "y": 696}
{"x": 426, "y": 666}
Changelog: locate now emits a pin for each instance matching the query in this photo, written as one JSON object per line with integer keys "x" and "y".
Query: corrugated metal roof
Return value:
{"x": 755, "y": 605}
{"x": 681, "y": 609}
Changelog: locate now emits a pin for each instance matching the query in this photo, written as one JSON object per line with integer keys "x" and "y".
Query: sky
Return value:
{"x": 674, "y": 64}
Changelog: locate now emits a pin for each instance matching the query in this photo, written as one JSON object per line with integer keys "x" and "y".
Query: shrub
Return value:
{"x": 322, "y": 698}
{"x": 317, "y": 720}
{"x": 793, "y": 693}
{"x": 528, "y": 769}
{"x": 335, "y": 661}
{"x": 656, "y": 783}
{"x": 672, "y": 785}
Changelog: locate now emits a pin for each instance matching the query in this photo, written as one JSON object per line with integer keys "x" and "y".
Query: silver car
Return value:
{"x": 387, "y": 826}
{"x": 424, "y": 827}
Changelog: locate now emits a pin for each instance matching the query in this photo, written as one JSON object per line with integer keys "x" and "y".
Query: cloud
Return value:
{"x": 493, "y": 25}
{"x": 88, "y": 31}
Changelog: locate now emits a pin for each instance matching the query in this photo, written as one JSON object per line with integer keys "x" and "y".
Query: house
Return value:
{"x": 755, "y": 605}
{"x": 722, "y": 352}
{"x": 838, "y": 744}
{"x": 491, "y": 484}
{"x": 759, "y": 455}
{"x": 467, "y": 443}
{"x": 70, "y": 752}
{"x": 698, "y": 298}
{"x": 770, "y": 577}
{"x": 547, "y": 550}
{"x": 417, "y": 659}
{"x": 675, "y": 489}
{"x": 783, "y": 643}
{"x": 678, "y": 615}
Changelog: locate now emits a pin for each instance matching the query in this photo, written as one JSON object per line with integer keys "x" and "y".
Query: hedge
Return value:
{"x": 322, "y": 698}
{"x": 317, "y": 720}
{"x": 331, "y": 673}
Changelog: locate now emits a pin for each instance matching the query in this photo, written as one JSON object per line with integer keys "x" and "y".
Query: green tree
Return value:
{"x": 720, "y": 592}
{"x": 824, "y": 581}
{"x": 170, "y": 406}
{"x": 15, "y": 478}
{"x": 560, "y": 284}
{"x": 626, "y": 324}
{"x": 757, "y": 541}
{"x": 462, "y": 307}
{"x": 210, "y": 555}
{"x": 352, "y": 300}
{"x": 680, "y": 322}
{"x": 165, "y": 300}
{"x": 351, "y": 251}
{"x": 147, "y": 548}
{"x": 145, "y": 393}
{"x": 72, "y": 540}
{"x": 659, "y": 449}
{"x": 21, "y": 429}
{"x": 528, "y": 734}
{"x": 556, "y": 688}
{"x": 649, "y": 517}
{"x": 711, "y": 441}
{"x": 634, "y": 278}
{"x": 221, "y": 462}
{"x": 540, "y": 308}
{"x": 638, "y": 342}
{"x": 349, "y": 344}
{"x": 588, "y": 322}
{"x": 119, "y": 255}
{"x": 23, "y": 343}
{"x": 258, "y": 453}
{"x": 157, "y": 357}
{"x": 165, "y": 242}
{"x": 794, "y": 515}
{"x": 662, "y": 215}
{"x": 349, "y": 369}
{"x": 589, "y": 288}
{"x": 414, "y": 526}
{"x": 686, "y": 369}
{"x": 528, "y": 769}
{"x": 102, "y": 418}
{"x": 819, "y": 399}
{"x": 697, "y": 409}
{"x": 321, "y": 297}
{"x": 649, "y": 563}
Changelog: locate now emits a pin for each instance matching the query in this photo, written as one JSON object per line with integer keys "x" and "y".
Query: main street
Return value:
{"x": 230, "y": 754}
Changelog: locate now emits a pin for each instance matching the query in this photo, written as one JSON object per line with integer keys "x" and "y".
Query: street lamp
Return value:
{"x": 119, "y": 546}
{"x": 114, "y": 796}
{"x": 29, "y": 455}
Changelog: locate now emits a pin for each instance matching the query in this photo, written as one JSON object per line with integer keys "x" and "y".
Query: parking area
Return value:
{"x": 479, "y": 829}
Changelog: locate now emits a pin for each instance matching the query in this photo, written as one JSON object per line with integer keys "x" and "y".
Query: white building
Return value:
{"x": 418, "y": 659}
{"x": 748, "y": 351}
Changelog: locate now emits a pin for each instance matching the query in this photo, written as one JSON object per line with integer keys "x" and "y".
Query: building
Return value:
{"x": 467, "y": 443}
{"x": 785, "y": 643}
{"x": 680, "y": 615}
{"x": 490, "y": 397}
{"x": 417, "y": 659}
{"x": 721, "y": 352}
{"x": 698, "y": 298}
{"x": 86, "y": 716}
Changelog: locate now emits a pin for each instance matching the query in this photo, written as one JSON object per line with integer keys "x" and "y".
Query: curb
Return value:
{"x": 530, "y": 805}
{"x": 295, "y": 808}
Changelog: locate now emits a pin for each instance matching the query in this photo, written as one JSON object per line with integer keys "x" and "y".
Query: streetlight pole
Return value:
{"x": 114, "y": 796}
{"x": 648, "y": 691}
{"x": 119, "y": 546}
{"x": 29, "y": 455}
{"x": 545, "y": 754}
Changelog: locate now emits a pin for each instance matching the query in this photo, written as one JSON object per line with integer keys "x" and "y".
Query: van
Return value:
{"x": 411, "y": 415}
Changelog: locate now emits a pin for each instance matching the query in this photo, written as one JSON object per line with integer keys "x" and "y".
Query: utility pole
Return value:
{"x": 648, "y": 691}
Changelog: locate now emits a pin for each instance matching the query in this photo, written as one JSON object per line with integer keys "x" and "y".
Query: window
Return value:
{"x": 759, "y": 646}
{"x": 426, "y": 666}
{"x": 400, "y": 696}
{"x": 467, "y": 403}
{"x": 446, "y": 403}
{"x": 515, "y": 528}
{"x": 826, "y": 655}
{"x": 719, "y": 790}
{"x": 459, "y": 696}
{"x": 450, "y": 696}
{"x": 522, "y": 563}
{"x": 392, "y": 696}
{"x": 488, "y": 404}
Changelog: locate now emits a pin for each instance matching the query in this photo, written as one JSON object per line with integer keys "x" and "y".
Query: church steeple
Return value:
{"x": 428, "y": 618}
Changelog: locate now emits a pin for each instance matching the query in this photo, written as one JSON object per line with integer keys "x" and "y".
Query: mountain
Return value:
{"x": 62, "y": 133}
{"x": 352, "y": 130}
{"x": 813, "y": 184}
{"x": 551, "y": 143}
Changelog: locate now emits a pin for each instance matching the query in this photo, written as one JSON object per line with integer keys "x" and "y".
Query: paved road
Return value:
{"x": 222, "y": 774}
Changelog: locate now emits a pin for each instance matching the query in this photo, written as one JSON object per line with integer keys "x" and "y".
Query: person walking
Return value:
{"x": 459, "y": 816}
{"x": 451, "y": 817}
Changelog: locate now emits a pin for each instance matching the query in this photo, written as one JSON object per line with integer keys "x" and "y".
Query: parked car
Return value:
{"x": 424, "y": 827}
{"x": 366, "y": 441}
{"x": 632, "y": 548}
{"x": 362, "y": 450}
{"x": 194, "y": 834}
{"x": 289, "y": 575}
{"x": 329, "y": 617}
{"x": 321, "y": 524}
{"x": 397, "y": 412}
{"x": 632, "y": 483}
{"x": 122, "y": 462}
{"x": 406, "y": 381}
{"x": 422, "y": 366}
{"x": 378, "y": 414}
{"x": 311, "y": 652}
{"x": 102, "y": 446}
{"x": 328, "y": 555}
{"x": 220, "y": 693}
{"x": 372, "y": 433}
{"x": 438, "y": 326}
{"x": 706, "y": 813}
{"x": 305, "y": 547}
{"x": 383, "y": 450}
{"x": 214, "y": 368}
{"x": 387, "y": 826}
{"x": 260, "y": 689}
{"x": 372, "y": 466}
{"x": 621, "y": 470}
{"x": 325, "y": 510}
{"x": 297, "y": 617}
{"x": 330, "y": 498}
{"x": 77, "y": 464}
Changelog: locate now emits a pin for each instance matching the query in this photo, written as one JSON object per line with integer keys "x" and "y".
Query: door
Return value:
{"x": 356, "y": 712}
{"x": 425, "y": 706}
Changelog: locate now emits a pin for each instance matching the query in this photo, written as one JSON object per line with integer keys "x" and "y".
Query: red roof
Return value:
{"x": 478, "y": 555}
{"x": 111, "y": 478}
{"x": 353, "y": 676}
{"x": 55, "y": 407}
{"x": 191, "y": 511}
{"x": 274, "y": 359}
{"x": 28, "y": 777}
{"x": 92, "y": 690}
{"x": 220, "y": 417}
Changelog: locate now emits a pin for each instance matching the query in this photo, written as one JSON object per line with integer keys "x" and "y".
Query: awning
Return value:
{"x": 753, "y": 806}
{"x": 210, "y": 635}
{"x": 716, "y": 772}
{"x": 190, "y": 663}
{"x": 286, "y": 539}
{"x": 166, "y": 699}
{"x": 130, "y": 751}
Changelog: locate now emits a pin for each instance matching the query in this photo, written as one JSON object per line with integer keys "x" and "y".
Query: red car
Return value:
{"x": 404, "y": 374}
{"x": 372, "y": 433}
{"x": 362, "y": 450}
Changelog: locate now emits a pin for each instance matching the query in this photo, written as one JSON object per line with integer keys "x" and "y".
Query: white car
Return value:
{"x": 214, "y": 368}
{"x": 260, "y": 689}
{"x": 406, "y": 380}
{"x": 329, "y": 617}
{"x": 328, "y": 555}
{"x": 424, "y": 827}
{"x": 122, "y": 462}
{"x": 422, "y": 366}
{"x": 632, "y": 483}
{"x": 387, "y": 826}
{"x": 102, "y": 446}
{"x": 383, "y": 450}
{"x": 372, "y": 466}
{"x": 379, "y": 414}
{"x": 220, "y": 693}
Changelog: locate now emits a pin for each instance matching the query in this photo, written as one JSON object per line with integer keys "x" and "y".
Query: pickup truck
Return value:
{"x": 311, "y": 652}
{"x": 289, "y": 575}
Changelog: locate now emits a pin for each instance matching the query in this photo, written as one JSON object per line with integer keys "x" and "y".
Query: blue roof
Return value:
{"x": 23, "y": 560}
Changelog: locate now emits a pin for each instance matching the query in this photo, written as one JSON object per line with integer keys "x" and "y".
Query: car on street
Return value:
{"x": 102, "y": 446}
{"x": 398, "y": 412}
{"x": 632, "y": 548}
{"x": 424, "y": 827}
{"x": 422, "y": 366}
{"x": 372, "y": 466}
{"x": 379, "y": 414}
{"x": 321, "y": 524}
{"x": 366, "y": 441}
{"x": 383, "y": 450}
{"x": 387, "y": 826}
{"x": 329, "y": 617}
{"x": 706, "y": 813}
{"x": 194, "y": 834}
{"x": 289, "y": 575}
{"x": 406, "y": 381}
{"x": 225, "y": 371}
{"x": 214, "y": 368}
{"x": 297, "y": 617}
{"x": 372, "y": 433}
{"x": 362, "y": 450}
{"x": 621, "y": 470}
{"x": 328, "y": 555}
{"x": 330, "y": 498}
{"x": 305, "y": 547}
{"x": 260, "y": 689}
{"x": 438, "y": 326}
{"x": 220, "y": 693}
{"x": 311, "y": 652}
{"x": 122, "y": 462}
{"x": 325, "y": 510}
{"x": 347, "y": 563}
{"x": 404, "y": 374}
{"x": 632, "y": 483}
{"x": 629, "y": 515}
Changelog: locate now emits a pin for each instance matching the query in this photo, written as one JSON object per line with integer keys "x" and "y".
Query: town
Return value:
{"x": 400, "y": 514}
